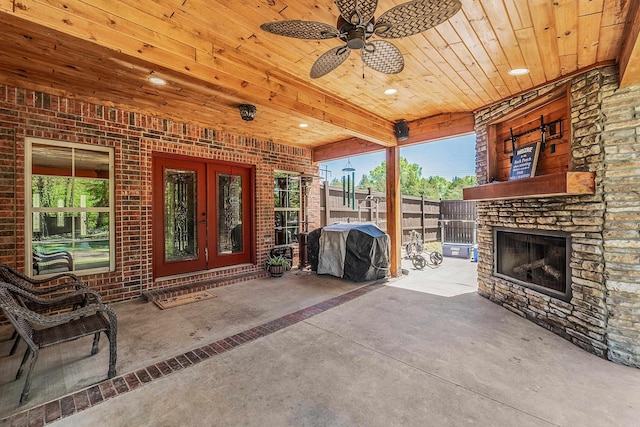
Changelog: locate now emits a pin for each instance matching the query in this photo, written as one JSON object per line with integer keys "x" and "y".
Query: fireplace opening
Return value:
{"x": 536, "y": 259}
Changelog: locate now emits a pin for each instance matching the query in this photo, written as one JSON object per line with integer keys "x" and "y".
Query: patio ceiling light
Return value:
{"x": 157, "y": 81}
{"x": 518, "y": 72}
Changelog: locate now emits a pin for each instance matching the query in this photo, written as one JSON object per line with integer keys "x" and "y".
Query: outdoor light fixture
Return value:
{"x": 157, "y": 81}
{"x": 303, "y": 125}
{"x": 247, "y": 112}
{"x": 390, "y": 91}
{"x": 518, "y": 72}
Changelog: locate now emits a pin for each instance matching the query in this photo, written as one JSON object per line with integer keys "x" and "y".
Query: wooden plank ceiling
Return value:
{"x": 214, "y": 57}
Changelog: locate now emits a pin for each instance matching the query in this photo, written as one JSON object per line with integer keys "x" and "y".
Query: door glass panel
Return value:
{"x": 229, "y": 214}
{"x": 181, "y": 237}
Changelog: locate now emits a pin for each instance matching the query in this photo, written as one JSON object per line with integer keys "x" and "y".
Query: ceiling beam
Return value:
{"x": 629, "y": 58}
{"x": 422, "y": 130}
{"x": 233, "y": 72}
{"x": 342, "y": 149}
{"x": 441, "y": 126}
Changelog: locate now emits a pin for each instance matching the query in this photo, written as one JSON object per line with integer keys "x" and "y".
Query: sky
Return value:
{"x": 447, "y": 158}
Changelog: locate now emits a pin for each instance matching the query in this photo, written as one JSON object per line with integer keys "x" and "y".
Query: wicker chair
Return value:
{"x": 55, "y": 329}
{"x": 62, "y": 296}
{"x": 20, "y": 280}
{"x": 56, "y": 260}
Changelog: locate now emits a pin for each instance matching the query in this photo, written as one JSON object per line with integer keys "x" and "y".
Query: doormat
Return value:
{"x": 184, "y": 299}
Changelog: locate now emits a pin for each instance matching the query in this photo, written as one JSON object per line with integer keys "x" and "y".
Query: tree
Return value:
{"x": 412, "y": 182}
{"x": 454, "y": 190}
{"x": 440, "y": 184}
{"x": 410, "y": 178}
{"x": 335, "y": 182}
{"x": 376, "y": 179}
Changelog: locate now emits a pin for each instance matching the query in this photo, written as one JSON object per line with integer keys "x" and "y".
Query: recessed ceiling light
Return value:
{"x": 303, "y": 125}
{"x": 518, "y": 71}
{"x": 390, "y": 91}
{"x": 157, "y": 81}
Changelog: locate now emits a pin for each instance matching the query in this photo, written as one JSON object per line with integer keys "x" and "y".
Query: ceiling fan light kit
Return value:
{"x": 357, "y": 24}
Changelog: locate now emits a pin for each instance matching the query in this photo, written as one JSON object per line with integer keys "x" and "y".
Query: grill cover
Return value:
{"x": 355, "y": 251}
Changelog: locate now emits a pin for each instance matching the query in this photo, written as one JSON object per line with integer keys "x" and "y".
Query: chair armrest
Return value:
{"x": 48, "y": 279}
{"x": 9, "y": 303}
{"x": 48, "y": 320}
{"x": 15, "y": 277}
{"x": 51, "y": 278}
{"x": 88, "y": 294}
{"x": 77, "y": 286}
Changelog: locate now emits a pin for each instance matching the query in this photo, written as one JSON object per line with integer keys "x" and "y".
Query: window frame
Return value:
{"x": 298, "y": 210}
{"x": 29, "y": 210}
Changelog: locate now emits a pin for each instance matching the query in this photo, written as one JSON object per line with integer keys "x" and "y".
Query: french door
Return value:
{"x": 202, "y": 215}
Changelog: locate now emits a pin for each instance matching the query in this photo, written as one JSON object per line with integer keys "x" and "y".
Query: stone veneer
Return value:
{"x": 603, "y": 315}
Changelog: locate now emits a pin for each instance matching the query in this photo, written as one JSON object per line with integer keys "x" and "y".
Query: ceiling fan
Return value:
{"x": 356, "y": 24}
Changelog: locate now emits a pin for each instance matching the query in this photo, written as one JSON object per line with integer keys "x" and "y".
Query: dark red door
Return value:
{"x": 230, "y": 202}
{"x": 202, "y": 215}
{"x": 179, "y": 216}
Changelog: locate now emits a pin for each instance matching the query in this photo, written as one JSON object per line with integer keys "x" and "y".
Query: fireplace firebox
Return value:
{"x": 536, "y": 259}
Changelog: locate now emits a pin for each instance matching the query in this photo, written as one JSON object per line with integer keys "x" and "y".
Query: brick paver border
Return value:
{"x": 98, "y": 393}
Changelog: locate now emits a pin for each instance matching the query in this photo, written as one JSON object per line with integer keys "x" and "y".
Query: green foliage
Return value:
{"x": 335, "y": 182}
{"x": 52, "y": 190}
{"x": 454, "y": 189}
{"x": 279, "y": 260}
{"x": 414, "y": 184}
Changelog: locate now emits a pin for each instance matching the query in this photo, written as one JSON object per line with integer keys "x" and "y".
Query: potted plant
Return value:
{"x": 277, "y": 265}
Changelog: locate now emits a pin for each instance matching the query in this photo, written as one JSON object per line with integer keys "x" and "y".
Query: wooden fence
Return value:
{"x": 458, "y": 221}
{"x": 451, "y": 221}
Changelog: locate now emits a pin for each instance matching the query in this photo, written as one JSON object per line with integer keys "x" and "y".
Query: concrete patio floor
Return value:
{"x": 424, "y": 349}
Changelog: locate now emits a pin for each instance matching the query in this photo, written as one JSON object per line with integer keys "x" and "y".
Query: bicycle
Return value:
{"x": 414, "y": 249}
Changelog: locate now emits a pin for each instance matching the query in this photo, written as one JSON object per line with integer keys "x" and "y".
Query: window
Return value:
{"x": 70, "y": 224}
{"x": 287, "y": 208}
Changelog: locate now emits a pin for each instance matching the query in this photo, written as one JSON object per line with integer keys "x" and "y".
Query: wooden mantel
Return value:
{"x": 552, "y": 185}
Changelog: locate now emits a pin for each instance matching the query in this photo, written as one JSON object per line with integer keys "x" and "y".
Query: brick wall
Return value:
{"x": 134, "y": 136}
{"x": 602, "y": 315}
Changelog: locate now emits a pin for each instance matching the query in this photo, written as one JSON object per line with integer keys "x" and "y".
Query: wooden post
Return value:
{"x": 394, "y": 210}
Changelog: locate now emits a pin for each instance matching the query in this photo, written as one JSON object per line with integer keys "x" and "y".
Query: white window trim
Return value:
{"x": 28, "y": 218}
{"x": 296, "y": 174}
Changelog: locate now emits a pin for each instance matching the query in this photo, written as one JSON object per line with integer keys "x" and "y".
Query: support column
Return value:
{"x": 394, "y": 211}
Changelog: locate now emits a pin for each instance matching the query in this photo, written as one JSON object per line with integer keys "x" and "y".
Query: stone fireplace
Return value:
{"x": 594, "y": 301}
{"x": 535, "y": 259}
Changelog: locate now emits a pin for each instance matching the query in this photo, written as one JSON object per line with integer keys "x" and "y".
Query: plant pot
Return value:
{"x": 276, "y": 270}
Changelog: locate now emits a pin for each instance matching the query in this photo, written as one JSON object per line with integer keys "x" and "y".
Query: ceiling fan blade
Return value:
{"x": 357, "y": 11}
{"x": 415, "y": 17}
{"x": 383, "y": 56}
{"x": 309, "y": 30}
{"x": 329, "y": 61}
